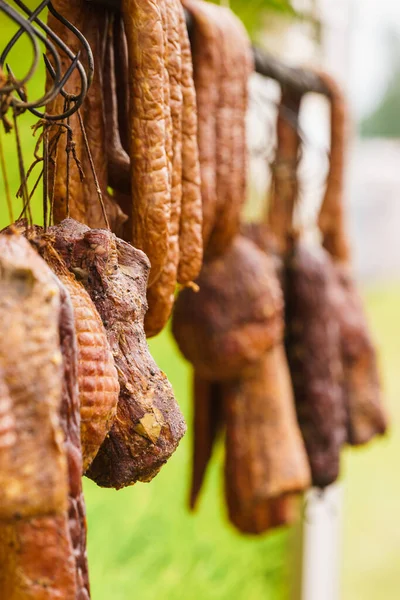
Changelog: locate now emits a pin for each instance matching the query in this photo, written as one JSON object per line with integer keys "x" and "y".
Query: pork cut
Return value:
{"x": 148, "y": 425}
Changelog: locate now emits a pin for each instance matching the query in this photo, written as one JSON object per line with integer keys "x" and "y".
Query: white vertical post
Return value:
{"x": 318, "y": 546}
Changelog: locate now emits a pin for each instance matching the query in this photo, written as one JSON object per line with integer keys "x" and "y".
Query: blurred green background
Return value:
{"x": 144, "y": 543}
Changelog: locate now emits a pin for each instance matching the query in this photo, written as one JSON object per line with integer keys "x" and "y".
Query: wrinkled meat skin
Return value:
{"x": 235, "y": 316}
{"x": 71, "y": 424}
{"x": 151, "y": 193}
{"x": 331, "y": 219}
{"x": 84, "y": 204}
{"x": 32, "y": 459}
{"x": 231, "y": 159}
{"x": 118, "y": 162}
{"x": 77, "y": 209}
{"x": 265, "y": 455}
{"x": 149, "y": 424}
{"x": 362, "y": 388}
{"x": 36, "y": 560}
{"x": 207, "y": 423}
{"x": 97, "y": 375}
{"x": 285, "y": 183}
{"x": 191, "y": 218}
{"x": 44, "y": 557}
{"x": 160, "y": 296}
{"x": 205, "y": 43}
{"x": 95, "y": 31}
{"x": 313, "y": 349}
{"x": 366, "y": 417}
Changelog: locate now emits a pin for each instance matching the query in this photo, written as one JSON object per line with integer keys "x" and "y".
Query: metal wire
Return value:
{"x": 38, "y": 31}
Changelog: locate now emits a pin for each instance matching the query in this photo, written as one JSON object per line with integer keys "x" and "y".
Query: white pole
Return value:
{"x": 317, "y": 548}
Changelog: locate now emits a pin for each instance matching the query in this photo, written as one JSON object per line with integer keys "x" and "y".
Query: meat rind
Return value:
{"x": 148, "y": 425}
{"x": 44, "y": 557}
{"x": 70, "y": 422}
{"x": 231, "y": 159}
{"x": 95, "y": 30}
{"x": 361, "y": 381}
{"x": 33, "y": 471}
{"x": 205, "y": 43}
{"x": 313, "y": 350}
{"x": 236, "y": 315}
{"x": 191, "y": 217}
{"x": 265, "y": 456}
{"x": 97, "y": 375}
{"x": 151, "y": 193}
{"x": 58, "y": 171}
{"x": 161, "y": 294}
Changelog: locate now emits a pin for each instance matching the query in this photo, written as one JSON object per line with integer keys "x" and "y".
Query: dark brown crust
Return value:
{"x": 191, "y": 217}
{"x": 122, "y": 78}
{"x": 151, "y": 194}
{"x": 231, "y": 158}
{"x": 75, "y": 11}
{"x": 265, "y": 457}
{"x": 362, "y": 389}
{"x": 205, "y": 43}
{"x": 331, "y": 220}
{"x": 149, "y": 424}
{"x": 313, "y": 348}
{"x": 207, "y": 423}
{"x": 160, "y": 295}
{"x": 118, "y": 162}
{"x": 284, "y": 169}
{"x": 95, "y": 30}
{"x": 235, "y": 316}
{"x": 33, "y": 470}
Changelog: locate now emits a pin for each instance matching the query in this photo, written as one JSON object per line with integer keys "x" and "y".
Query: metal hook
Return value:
{"x": 52, "y": 93}
{"x": 27, "y": 27}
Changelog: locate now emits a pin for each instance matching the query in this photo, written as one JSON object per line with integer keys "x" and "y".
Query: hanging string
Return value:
{"x": 45, "y": 174}
{"x": 68, "y": 150}
{"x": 24, "y": 191}
{"x": 5, "y": 180}
{"x": 92, "y": 168}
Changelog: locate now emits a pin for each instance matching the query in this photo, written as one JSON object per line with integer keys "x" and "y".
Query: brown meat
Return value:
{"x": 313, "y": 348}
{"x": 265, "y": 455}
{"x": 122, "y": 78}
{"x": 331, "y": 217}
{"x": 205, "y": 43}
{"x": 207, "y": 423}
{"x": 148, "y": 425}
{"x": 284, "y": 169}
{"x": 160, "y": 296}
{"x": 36, "y": 560}
{"x": 45, "y": 556}
{"x": 191, "y": 217}
{"x": 70, "y": 421}
{"x": 33, "y": 470}
{"x": 236, "y": 67}
{"x": 97, "y": 375}
{"x": 235, "y": 316}
{"x": 95, "y": 30}
{"x": 119, "y": 166}
{"x": 151, "y": 193}
{"x": 361, "y": 382}
{"x": 58, "y": 173}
